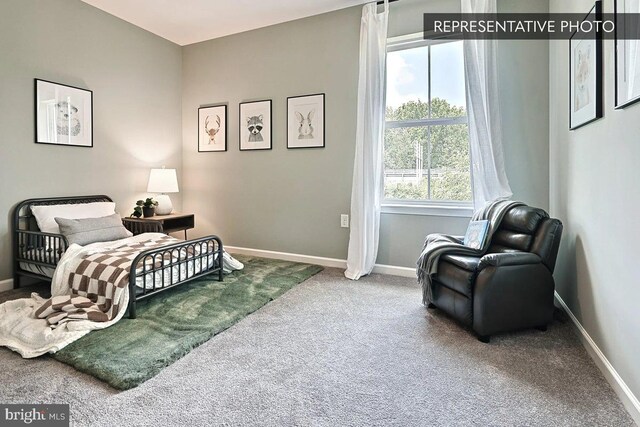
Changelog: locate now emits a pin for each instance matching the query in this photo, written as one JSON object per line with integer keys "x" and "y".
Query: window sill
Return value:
{"x": 461, "y": 211}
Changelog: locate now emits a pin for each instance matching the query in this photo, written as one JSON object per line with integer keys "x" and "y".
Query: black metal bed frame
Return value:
{"x": 33, "y": 247}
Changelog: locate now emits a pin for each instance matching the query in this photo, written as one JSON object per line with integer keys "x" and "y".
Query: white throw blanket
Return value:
{"x": 22, "y": 332}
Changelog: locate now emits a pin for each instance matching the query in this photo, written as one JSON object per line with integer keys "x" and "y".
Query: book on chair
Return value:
{"x": 476, "y": 234}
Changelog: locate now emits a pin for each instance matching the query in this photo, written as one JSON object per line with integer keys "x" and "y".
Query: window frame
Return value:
{"x": 424, "y": 207}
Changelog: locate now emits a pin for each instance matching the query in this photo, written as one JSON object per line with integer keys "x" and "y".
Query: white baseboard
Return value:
{"x": 629, "y": 400}
{"x": 394, "y": 270}
{"x": 326, "y": 262}
{"x": 6, "y": 285}
{"x": 285, "y": 256}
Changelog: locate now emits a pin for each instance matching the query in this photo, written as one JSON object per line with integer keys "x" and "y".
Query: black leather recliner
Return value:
{"x": 511, "y": 287}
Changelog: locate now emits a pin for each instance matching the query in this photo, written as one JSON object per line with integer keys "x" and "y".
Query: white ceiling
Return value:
{"x": 191, "y": 21}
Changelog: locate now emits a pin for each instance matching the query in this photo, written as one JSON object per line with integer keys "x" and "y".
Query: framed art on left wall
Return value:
{"x": 64, "y": 114}
{"x": 212, "y": 128}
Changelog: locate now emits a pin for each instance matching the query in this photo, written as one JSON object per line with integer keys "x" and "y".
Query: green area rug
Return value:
{"x": 172, "y": 323}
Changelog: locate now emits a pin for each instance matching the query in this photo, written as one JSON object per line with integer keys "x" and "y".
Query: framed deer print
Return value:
{"x": 255, "y": 125}
{"x": 305, "y": 121}
{"x": 212, "y": 128}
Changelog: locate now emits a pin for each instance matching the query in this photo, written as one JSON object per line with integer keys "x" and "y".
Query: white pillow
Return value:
{"x": 45, "y": 215}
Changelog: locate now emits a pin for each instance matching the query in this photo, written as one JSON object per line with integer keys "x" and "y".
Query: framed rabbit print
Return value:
{"x": 212, "y": 128}
{"x": 305, "y": 121}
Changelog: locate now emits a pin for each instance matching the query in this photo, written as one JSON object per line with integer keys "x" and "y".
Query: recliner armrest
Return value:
{"x": 508, "y": 258}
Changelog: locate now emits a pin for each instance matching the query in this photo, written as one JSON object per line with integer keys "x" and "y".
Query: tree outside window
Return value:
{"x": 426, "y": 150}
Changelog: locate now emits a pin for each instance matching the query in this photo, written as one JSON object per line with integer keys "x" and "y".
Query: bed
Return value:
{"x": 37, "y": 253}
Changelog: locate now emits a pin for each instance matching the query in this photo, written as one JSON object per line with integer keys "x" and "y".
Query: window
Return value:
{"x": 426, "y": 149}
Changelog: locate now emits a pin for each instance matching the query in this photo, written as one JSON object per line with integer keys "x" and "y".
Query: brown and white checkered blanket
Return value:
{"x": 98, "y": 284}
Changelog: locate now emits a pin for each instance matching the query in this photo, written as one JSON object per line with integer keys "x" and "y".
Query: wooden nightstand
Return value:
{"x": 161, "y": 223}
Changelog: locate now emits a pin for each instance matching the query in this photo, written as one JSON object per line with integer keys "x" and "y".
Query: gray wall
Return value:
{"x": 290, "y": 200}
{"x": 523, "y": 77}
{"x": 594, "y": 179}
{"x": 280, "y": 200}
{"x": 136, "y": 80}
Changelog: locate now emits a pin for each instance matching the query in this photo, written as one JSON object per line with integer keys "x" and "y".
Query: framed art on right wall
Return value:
{"x": 585, "y": 73}
{"x": 305, "y": 121}
{"x": 627, "y": 52}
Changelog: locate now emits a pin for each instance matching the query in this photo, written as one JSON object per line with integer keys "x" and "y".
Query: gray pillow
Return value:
{"x": 92, "y": 230}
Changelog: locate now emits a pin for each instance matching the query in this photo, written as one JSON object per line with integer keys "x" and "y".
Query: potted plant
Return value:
{"x": 145, "y": 208}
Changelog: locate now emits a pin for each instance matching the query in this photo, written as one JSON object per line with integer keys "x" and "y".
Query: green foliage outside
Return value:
{"x": 448, "y": 160}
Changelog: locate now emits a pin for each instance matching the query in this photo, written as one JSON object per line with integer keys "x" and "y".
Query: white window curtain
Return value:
{"x": 485, "y": 135}
{"x": 366, "y": 193}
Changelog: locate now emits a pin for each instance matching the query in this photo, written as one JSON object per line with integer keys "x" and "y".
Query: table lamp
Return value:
{"x": 163, "y": 181}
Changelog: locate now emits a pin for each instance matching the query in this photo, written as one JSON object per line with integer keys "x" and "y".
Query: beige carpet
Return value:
{"x": 335, "y": 352}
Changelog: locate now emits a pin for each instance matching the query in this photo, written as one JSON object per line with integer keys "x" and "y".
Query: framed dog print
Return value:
{"x": 212, "y": 128}
{"x": 255, "y": 125}
{"x": 64, "y": 114}
{"x": 585, "y": 74}
{"x": 627, "y": 52}
{"x": 305, "y": 121}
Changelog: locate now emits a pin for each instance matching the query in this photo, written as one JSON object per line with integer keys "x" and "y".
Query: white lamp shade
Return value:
{"x": 163, "y": 181}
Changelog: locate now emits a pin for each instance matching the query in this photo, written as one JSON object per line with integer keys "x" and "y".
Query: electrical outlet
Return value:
{"x": 344, "y": 221}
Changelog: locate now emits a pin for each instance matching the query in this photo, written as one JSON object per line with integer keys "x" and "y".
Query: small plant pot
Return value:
{"x": 148, "y": 212}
